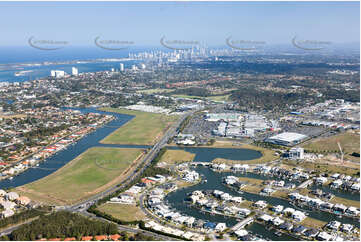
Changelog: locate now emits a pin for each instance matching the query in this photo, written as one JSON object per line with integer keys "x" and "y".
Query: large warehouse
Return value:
{"x": 286, "y": 138}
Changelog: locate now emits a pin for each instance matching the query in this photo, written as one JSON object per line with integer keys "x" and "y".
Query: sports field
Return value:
{"x": 144, "y": 129}
{"x": 90, "y": 173}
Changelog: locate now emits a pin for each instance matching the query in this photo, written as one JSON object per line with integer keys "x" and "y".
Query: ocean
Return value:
{"x": 11, "y": 59}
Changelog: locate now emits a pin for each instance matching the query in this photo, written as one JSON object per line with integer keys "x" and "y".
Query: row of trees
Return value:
{"x": 61, "y": 225}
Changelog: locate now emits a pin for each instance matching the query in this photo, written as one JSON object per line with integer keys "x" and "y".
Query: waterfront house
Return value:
{"x": 320, "y": 180}
{"x": 267, "y": 191}
{"x": 237, "y": 199}
{"x": 217, "y": 193}
{"x": 240, "y": 167}
{"x": 244, "y": 212}
{"x": 240, "y": 233}
{"x": 298, "y": 216}
{"x": 286, "y": 226}
{"x": 324, "y": 236}
{"x": 189, "y": 221}
{"x": 311, "y": 232}
{"x": 335, "y": 176}
{"x": 327, "y": 205}
{"x": 277, "y": 209}
{"x": 288, "y": 211}
{"x": 355, "y": 187}
{"x": 353, "y": 211}
{"x": 265, "y": 217}
{"x": 336, "y": 184}
{"x": 347, "y": 228}
{"x": 226, "y": 197}
{"x": 230, "y": 180}
{"x": 277, "y": 221}
{"x": 202, "y": 201}
{"x": 260, "y": 204}
{"x": 299, "y": 229}
{"x": 209, "y": 225}
{"x": 279, "y": 183}
{"x": 220, "y": 227}
{"x": 339, "y": 208}
{"x": 334, "y": 225}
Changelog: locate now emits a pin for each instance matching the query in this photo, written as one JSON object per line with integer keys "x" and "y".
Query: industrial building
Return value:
{"x": 287, "y": 139}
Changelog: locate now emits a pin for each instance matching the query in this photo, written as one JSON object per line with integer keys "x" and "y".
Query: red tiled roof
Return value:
{"x": 114, "y": 236}
{"x": 86, "y": 238}
{"x": 70, "y": 239}
{"x": 54, "y": 239}
{"x": 101, "y": 237}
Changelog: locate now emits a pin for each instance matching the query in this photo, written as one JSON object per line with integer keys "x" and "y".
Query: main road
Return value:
{"x": 149, "y": 157}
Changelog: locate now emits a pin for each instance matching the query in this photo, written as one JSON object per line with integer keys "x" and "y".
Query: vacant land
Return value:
{"x": 144, "y": 129}
{"x": 90, "y": 173}
{"x": 350, "y": 142}
{"x": 177, "y": 156}
{"x": 314, "y": 223}
{"x": 322, "y": 168}
{"x": 346, "y": 202}
{"x": 124, "y": 212}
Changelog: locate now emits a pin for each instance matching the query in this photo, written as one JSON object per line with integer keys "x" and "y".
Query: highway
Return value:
{"x": 172, "y": 131}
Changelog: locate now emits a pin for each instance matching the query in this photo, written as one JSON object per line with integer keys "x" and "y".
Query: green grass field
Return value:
{"x": 350, "y": 142}
{"x": 143, "y": 129}
{"x": 123, "y": 212}
{"x": 90, "y": 173}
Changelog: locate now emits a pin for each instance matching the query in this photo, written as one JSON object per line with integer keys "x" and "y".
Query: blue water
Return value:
{"x": 16, "y": 55}
{"x": 62, "y": 157}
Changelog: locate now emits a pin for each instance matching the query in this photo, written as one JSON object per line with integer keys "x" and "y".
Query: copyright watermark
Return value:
{"x": 178, "y": 44}
{"x": 43, "y": 44}
{"x": 244, "y": 44}
{"x": 107, "y": 164}
{"x": 113, "y": 44}
{"x": 309, "y": 44}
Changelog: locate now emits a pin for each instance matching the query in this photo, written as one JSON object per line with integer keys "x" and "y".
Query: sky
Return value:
{"x": 211, "y": 23}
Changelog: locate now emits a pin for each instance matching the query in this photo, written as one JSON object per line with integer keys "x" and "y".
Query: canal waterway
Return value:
{"x": 214, "y": 182}
{"x": 176, "y": 199}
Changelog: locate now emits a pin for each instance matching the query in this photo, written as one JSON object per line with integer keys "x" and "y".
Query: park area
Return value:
{"x": 144, "y": 129}
{"x": 92, "y": 172}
